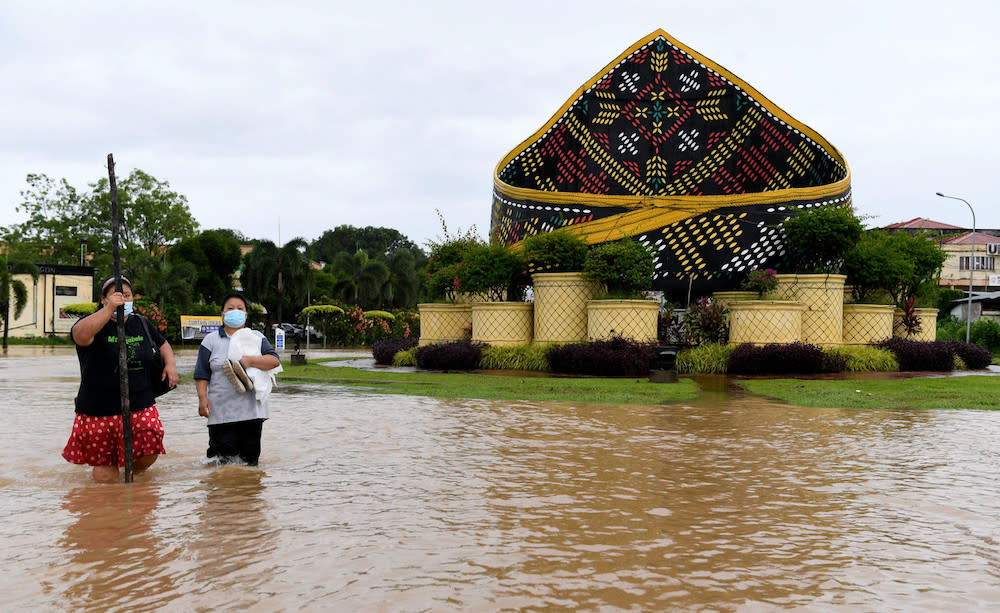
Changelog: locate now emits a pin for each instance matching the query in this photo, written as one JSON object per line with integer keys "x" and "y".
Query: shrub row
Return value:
{"x": 777, "y": 359}
{"x": 616, "y": 357}
{"x": 386, "y": 349}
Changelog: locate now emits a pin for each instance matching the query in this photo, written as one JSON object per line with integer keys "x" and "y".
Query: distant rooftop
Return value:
{"x": 919, "y": 223}
{"x": 965, "y": 239}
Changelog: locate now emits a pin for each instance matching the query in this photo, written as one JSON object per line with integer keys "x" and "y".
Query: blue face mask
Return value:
{"x": 235, "y": 318}
{"x": 128, "y": 308}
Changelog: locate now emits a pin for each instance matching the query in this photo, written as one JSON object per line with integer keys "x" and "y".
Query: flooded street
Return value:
{"x": 389, "y": 503}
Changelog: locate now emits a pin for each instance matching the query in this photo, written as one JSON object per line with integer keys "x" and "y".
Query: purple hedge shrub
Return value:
{"x": 459, "y": 355}
{"x": 920, "y": 355}
{"x": 777, "y": 359}
{"x": 975, "y": 356}
{"x": 616, "y": 357}
{"x": 384, "y": 350}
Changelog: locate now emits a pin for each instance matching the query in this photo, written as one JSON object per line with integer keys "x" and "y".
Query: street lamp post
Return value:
{"x": 972, "y": 265}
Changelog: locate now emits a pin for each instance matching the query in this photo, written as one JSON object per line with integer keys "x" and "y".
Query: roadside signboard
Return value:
{"x": 196, "y": 327}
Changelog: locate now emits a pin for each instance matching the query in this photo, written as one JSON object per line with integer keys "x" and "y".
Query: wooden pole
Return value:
{"x": 122, "y": 348}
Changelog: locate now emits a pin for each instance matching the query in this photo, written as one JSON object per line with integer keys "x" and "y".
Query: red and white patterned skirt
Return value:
{"x": 97, "y": 441}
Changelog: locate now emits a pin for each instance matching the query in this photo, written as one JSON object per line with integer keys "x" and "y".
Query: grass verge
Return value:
{"x": 492, "y": 386}
{"x": 968, "y": 392}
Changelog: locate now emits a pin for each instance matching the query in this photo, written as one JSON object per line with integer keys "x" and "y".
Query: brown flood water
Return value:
{"x": 386, "y": 503}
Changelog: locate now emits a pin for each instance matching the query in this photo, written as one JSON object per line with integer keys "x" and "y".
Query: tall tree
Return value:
{"x": 359, "y": 280}
{"x": 215, "y": 256}
{"x": 378, "y": 243}
{"x": 278, "y": 277}
{"x": 153, "y": 216}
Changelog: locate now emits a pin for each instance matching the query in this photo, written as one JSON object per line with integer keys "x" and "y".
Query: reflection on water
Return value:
{"x": 409, "y": 504}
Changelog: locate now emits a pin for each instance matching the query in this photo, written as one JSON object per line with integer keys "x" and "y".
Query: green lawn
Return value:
{"x": 494, "y": 386}
{"x": 967, "y": 392}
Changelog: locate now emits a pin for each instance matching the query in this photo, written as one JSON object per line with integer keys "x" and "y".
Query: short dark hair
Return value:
{"x": 110, "y": 282}
{"x": 225, "y": 299}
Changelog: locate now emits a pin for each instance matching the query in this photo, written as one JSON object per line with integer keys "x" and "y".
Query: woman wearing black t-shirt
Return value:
{"x": 97, "y": 430}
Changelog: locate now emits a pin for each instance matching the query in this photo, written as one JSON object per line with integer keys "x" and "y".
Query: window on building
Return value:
{"x": 65, "y": 290}
{"x": 980, "y": 262}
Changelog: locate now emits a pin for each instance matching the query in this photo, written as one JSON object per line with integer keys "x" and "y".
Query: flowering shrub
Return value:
{"x": 761, "y": 281}
{"x": 151, "y": 311}
{"x": 706, "y": 321}
{"x": 350, "y": 326}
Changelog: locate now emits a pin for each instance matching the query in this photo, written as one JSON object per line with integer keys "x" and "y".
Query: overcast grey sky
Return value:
{"x": 315, "y": 114}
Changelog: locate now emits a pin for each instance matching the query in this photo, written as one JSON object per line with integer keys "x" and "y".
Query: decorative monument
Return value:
{"x": 666, "y": 146}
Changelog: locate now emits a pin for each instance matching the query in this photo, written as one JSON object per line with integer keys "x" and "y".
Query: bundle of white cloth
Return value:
{"x": 246, "y": 342}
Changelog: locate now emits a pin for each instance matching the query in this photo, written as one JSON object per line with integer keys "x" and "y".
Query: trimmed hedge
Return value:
{"x": 385, "y": 350}
{"x": 921, "y": 355}
{"x": 616, "y": 357}
{"x": 459, "y": 355}
{"x": 974, "y": 357}
{"x": 776, "y": 359}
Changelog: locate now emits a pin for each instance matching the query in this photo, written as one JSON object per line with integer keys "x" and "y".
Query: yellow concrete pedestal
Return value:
{"x": 561, "y": 306}
{"x": 502, "y": 323}
{"x": 765, "y": 321}
{"x": 866, "y": 324}
{"x": 631, "y": 319}
{"x": 444, "y": 323}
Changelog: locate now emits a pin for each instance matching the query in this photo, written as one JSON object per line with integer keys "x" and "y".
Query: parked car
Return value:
{"x": 293, "y": 331}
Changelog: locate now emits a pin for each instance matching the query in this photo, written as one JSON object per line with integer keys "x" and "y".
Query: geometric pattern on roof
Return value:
{"x": 667, "y": 146}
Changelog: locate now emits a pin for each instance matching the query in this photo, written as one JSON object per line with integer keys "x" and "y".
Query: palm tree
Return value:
{"x": 359, "y": 280}
{"x": 400, "y": 290}
{"x": 12, "y": 289}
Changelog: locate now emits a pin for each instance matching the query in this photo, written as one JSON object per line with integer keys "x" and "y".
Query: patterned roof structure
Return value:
{"x": 667, "y": 146}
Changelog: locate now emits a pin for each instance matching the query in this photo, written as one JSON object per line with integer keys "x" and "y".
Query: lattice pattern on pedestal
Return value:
{"x": 866, "y": 326}
{"x": 762, "y": 322}
{"x": 823, "y": 297}
{"x": 502, "y": 326}
{"x": 444, "y": 323}
{"x": 928, "y": 325}
{"x": 561, "y": 309}
{"x": 630, "y": 321}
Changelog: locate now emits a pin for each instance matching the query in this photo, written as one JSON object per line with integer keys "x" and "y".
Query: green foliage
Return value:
{"x": 405, "y": 358}
{"x": 707, "y": 358}
{"x": 358, "y": 278}
{"x": 950, "y": 329}
{"x": 864, "y": 358}
{"x": 379, "y": 243}
{"x": 80, "y": 309}
{"x": 322, "y": 317}
{"x": 214, "y": 256}
{"x": 624, "y": 267}
{"x": 494, "y": 272}
{"x": 946, "y": 298}
{"x": 706, "y": 321}
{"x": 819, "y": 239}
{"x": 761, "y": 281}
{"x": 875, "y": 263}
{"x": 986, "y": 332}
{"x": 446, "y": 256}
{"x": 516, "y": 357}
{"x": 557, "y": 251}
